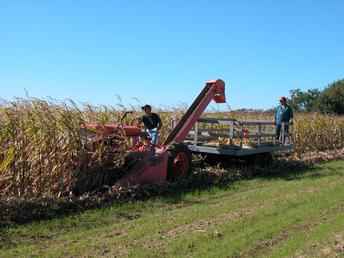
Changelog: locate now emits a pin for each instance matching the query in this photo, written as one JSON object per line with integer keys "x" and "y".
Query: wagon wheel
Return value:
{"x": 179, "y": 161}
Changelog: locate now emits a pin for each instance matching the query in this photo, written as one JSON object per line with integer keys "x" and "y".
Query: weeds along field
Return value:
{"x": 43, "y": 149}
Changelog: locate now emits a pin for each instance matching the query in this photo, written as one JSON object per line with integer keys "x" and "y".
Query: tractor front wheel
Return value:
{"x": 179, "y": 161}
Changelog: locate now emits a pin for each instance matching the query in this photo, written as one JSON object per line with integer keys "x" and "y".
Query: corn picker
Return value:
{"x": 155, "y": 164}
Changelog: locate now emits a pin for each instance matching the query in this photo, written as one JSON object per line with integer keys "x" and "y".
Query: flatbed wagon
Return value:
{"x": 231, "y": 137}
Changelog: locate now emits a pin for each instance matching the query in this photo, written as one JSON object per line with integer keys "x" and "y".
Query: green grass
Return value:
{"x": 300, "y": 214}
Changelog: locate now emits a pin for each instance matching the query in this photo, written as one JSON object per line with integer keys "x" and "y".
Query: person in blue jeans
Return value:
{"x": 152, "y": 124}
{"x": 283, "y": 116}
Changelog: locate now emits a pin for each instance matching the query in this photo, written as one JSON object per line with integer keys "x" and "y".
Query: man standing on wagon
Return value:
{"x": 283, "y": 116}
{"x": 152, "y": 123}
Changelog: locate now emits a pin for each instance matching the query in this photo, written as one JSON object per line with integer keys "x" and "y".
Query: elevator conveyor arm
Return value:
{"x": 213, "y": 90}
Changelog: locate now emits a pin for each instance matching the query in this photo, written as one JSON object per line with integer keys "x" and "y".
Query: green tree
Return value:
{"x": 332, "y": 98}
{"x": 305, "y": 101}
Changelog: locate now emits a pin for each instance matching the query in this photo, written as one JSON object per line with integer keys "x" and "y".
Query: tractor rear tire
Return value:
{"x": 179, "y": 161}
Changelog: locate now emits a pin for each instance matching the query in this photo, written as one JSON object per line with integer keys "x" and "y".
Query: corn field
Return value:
{"x": 43, "y": 151}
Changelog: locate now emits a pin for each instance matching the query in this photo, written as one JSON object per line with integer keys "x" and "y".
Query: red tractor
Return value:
{"x": 170, "y": 160}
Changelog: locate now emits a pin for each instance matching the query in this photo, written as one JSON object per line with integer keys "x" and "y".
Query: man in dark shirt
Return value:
{"x": 152, "y": 123}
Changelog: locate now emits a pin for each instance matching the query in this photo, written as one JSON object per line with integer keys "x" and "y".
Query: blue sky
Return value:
{"x": 161, "y": 52}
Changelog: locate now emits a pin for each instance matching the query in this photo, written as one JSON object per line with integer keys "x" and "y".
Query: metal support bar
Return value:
{"x": 259, "y": 134}
{"x": 241, "y": 136}
{"x": 231, "y": 132}
{"x": 196, "y": 134}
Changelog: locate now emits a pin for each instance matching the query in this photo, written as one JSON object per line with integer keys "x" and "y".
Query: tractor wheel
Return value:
{"x": 179, "y": 161}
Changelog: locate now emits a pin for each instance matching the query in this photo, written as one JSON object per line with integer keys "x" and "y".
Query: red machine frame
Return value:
{"x": 154, "y": 169}
{"x": 172, "y": 159}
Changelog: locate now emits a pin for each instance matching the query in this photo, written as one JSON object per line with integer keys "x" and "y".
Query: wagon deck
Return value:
{"x": 232, "y": 137}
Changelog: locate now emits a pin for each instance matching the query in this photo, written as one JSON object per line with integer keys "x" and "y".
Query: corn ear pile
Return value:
{"x": 43, "y": 150}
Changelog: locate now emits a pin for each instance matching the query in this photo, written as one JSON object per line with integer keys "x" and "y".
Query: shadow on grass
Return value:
{"x": 223, "y": 177}
{"x": 16, "y": 211}
{"x": 296, "y": 170}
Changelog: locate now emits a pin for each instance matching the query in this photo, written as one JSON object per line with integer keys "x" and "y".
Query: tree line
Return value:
{"x": 330, "y": 100}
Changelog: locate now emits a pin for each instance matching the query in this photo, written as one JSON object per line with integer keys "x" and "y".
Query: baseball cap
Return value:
{"x": 146, "y": 106}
